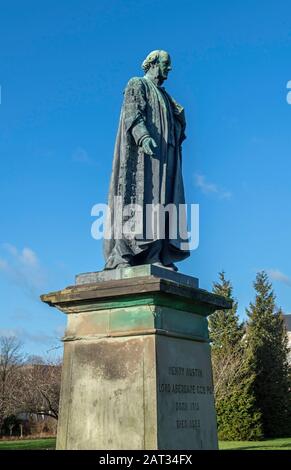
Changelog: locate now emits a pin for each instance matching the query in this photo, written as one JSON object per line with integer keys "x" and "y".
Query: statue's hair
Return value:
{"x": 151, "y": 58}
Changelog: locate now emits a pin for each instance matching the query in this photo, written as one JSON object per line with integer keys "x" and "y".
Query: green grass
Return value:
{"x": 29, "y": 444}
{"x": 50, "y": 443}
{"x": 272, "y": 444}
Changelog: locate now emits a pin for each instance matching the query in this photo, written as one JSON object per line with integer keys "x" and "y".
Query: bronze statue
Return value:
{"x": 147, "y": 171}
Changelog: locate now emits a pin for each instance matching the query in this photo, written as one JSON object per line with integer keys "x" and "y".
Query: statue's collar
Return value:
{"x": 154, "y": 81}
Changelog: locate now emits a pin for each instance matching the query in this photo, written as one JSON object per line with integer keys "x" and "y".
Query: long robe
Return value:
{"x": 138, "y": 178}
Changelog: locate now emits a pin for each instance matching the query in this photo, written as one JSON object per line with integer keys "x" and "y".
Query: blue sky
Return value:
{"x": 63, "y": 68}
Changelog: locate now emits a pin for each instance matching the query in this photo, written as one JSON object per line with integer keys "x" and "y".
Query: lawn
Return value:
{"x": 50, "y": 443}
{"x": 272, "y": 444}
{"x": 29, "y": 444}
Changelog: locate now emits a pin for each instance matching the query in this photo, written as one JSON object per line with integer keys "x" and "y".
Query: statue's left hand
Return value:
{"x": 149, "y": 146}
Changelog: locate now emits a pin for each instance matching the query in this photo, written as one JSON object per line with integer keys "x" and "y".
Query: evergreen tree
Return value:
{"x": 225, "y": 329}
{"x": 237, "y": 415}
{"x": 267, "y": 346}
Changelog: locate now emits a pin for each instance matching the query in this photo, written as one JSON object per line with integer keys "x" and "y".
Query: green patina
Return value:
{"x": 162, "y": 300}
{"x": 139, "y": 319}
{"x": 133, "y": 318}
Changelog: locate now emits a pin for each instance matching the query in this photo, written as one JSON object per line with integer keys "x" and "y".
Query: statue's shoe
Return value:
{"x": 171, "y": 267}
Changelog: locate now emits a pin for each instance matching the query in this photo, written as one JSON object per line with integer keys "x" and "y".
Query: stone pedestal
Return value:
{"x": 137, "y": 370}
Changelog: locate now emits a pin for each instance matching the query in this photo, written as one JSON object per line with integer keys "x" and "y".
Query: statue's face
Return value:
{"x": 164, "y": 65}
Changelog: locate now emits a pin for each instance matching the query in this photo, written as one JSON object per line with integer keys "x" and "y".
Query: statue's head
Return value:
{"x": 158, "y": 63}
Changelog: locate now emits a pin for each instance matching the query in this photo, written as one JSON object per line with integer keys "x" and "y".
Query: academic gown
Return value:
{"x": 139, "y": 179}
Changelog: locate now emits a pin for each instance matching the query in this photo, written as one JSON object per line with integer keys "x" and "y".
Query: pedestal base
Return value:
{"x": 137, "y": 369}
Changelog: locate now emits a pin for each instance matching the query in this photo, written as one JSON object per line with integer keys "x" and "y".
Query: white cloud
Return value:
{"x": 9, "y": 332}
{"x": 210, "y": 188}
{"x": 38, "y": 337}
{"x": 28, "y": 257}
{"x": 10, "y": 248}
{"x": 3, "y": 265}
{"x": 277, "y": 275}
{"x": 22, "y": 268}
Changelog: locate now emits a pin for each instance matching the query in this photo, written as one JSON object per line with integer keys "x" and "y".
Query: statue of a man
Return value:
{"x": 147, "y": 171}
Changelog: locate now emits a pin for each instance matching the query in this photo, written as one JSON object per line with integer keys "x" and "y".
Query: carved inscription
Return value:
{"x": 184, "y": 390}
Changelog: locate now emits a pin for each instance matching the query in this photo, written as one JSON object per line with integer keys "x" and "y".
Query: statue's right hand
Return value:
{"x": 149, "y": 146}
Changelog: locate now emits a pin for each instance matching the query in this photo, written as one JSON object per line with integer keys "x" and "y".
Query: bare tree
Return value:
{"x": 228, "y": 370}
{"x": 11, "y": 362}
{"x": 41, "y": 391}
